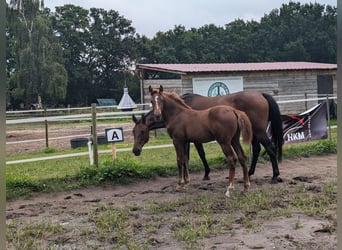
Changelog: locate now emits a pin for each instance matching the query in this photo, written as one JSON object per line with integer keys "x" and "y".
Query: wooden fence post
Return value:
{"x": 46, "y": 130}
{"x": 94, "y": 134}
{"x": 306, "y": 102}
{"x": 328, "y": 117}
{"x": 113, "y": 151}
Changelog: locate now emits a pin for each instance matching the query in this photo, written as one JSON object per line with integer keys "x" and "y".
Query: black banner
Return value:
{"x": 307, "y": 126}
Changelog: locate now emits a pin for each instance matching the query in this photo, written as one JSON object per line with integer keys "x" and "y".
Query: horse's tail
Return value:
{"x": 274, "y": 117}
{"x": 245, "y": 126}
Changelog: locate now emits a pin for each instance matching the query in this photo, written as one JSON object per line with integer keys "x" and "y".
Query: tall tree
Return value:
{"x": 113, "y": 47}
{"x": 99, "y": 46}
{"x": 305, "y": 32}
{"x": 38, "y": 69}
{"x": 71, "y": 24}
{"x": 300, "y": 32}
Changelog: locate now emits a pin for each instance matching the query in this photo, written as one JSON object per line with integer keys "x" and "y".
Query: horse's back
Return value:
{"x": 222, "y": 117}
{"x": 244, "y": 100}
{"x": 251, "y": 102}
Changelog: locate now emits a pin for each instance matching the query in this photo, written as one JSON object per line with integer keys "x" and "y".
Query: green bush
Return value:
{"x": 118, "y": 171}
{"x": 22, "y": 185}
{"x": 321, "y": 147}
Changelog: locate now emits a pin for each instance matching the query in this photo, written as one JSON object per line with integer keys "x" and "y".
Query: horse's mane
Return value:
{"x": 177, "y": 98}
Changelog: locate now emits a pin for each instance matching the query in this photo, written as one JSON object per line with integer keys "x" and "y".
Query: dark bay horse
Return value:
{"x": 261, "y": 109}
{"x": 221, "y": 123}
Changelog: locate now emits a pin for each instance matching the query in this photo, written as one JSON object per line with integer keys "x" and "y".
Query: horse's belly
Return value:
{"x": 200, "y": 136}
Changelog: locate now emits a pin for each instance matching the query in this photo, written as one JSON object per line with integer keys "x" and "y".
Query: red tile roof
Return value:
{"x": 231, "y": 67}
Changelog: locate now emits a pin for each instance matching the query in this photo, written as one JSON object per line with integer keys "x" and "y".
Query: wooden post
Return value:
{"x": 46, "y": 131}
{"x": 94, "y": 134}
{"x": 306, "y": 102}
{"x": 113, "y": 148}
{"x": 328, "y": 117}
{"x": 113, "y": 151}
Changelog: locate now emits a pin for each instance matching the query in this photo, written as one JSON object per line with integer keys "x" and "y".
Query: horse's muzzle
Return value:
{"x": 136, "y": 151}
{"x": 159, "y": 117}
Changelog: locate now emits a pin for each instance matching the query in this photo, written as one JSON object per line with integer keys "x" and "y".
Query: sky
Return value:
{"x": 150, "y": 16}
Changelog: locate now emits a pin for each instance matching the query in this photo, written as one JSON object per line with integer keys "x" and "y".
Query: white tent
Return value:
{"x": 126, "y": 103}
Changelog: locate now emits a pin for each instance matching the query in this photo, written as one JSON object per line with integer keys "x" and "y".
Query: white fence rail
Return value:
{"x": 54, "y": 157}
{"x": 104, "y": 115}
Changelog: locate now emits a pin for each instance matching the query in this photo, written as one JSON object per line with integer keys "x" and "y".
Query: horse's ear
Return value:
{"x": 134, "y": 119}
{"x": 161, "y": 89}
{"x": 143, "y": 118}
{"x": 150, "y": 89}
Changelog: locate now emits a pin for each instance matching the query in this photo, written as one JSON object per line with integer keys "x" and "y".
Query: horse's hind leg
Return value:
{"x": 272, "y": 152}
{"x": 231, "y": 160}
{"x": 256, "y": 151}
{"x": 242, "y": 159}
{"x": 201, "y": 153}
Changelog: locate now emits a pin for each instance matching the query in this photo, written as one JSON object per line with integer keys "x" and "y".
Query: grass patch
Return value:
{"x": 190, "y": 231}
{"x": 116, "y": 227}
{"x": 315, "y": 203}
{"x": 32, "y": 236}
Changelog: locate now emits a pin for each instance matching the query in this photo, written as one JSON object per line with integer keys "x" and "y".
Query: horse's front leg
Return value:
{"x": 180, "y": 163}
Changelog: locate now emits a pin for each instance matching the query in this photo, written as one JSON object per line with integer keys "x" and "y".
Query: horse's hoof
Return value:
{"x": 246, "y": 188}
{"x": 182, "y": 187}
{"x": 275, "y": 180}
{"x": 206, "y": 178}
{"x": 228, "y": 189}
{"x": 179, "y": 187}
{"x": 227, "y": 194}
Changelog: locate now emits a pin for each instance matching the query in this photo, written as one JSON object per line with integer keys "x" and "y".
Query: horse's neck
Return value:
{"x": 152, "y": 122}
{"x": 155, "y": 124}
{"x": 172, "y": 108}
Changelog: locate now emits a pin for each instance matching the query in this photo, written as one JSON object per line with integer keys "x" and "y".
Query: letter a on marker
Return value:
{"x": 115, "y": 136}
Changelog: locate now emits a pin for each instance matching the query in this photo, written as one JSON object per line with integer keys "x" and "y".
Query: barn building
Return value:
{"x": 296, "y": 80}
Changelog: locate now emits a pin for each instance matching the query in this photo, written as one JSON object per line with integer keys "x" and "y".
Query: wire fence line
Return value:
{"x": 69, "y": 110}
{"x": 54, "y": 157}
{"x": 38, "y": 140}
{"x": 104, "y": 115}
